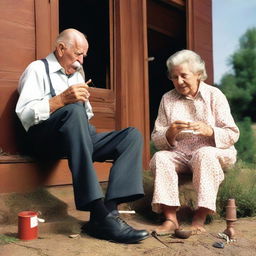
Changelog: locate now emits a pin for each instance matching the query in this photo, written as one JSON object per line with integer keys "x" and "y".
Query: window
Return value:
{"x": 91, "y": 17}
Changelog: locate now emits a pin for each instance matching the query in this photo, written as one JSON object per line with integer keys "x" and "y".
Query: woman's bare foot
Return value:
{"x": 170, "y": 223}
{"x": 199, "y": 219}
{"x": 167, "y": 227}
{"x": 196, "y": 230}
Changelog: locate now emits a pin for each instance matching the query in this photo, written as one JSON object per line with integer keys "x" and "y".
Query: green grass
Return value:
{"x": 5, "y": 239}
{"x": 240, "y": 184}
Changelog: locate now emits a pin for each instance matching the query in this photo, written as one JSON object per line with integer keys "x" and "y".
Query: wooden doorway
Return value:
{"x": 166, "y": 28}
{"x": 91, "y": 17}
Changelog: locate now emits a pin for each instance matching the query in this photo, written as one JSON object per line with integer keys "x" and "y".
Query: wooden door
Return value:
{"x": 166, "y": 23}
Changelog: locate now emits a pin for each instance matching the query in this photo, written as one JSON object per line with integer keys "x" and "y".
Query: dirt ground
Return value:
{"x": 60, "y": 244}
{"x": 54, "y": 235}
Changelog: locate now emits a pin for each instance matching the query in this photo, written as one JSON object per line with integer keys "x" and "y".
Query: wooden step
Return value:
{"x": 24, "y": 174}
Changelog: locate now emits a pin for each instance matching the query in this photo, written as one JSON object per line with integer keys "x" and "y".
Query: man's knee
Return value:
{"x": 74, "y": 108}
{"x": 74, "y": 112}
{"x": 134, "y": 135}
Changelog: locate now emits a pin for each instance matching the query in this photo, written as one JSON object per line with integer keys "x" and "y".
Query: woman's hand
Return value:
{"x": 202, "y": 128}
{"x": 178, "y": 126}
{"x": 174, "y": 129}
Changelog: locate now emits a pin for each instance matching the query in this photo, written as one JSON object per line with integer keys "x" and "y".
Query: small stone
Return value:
{"x": 74, "y": 236}
{"x": 218, "y": 245}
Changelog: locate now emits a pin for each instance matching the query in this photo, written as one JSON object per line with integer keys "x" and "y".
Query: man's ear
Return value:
{"x": 60, "y": 49}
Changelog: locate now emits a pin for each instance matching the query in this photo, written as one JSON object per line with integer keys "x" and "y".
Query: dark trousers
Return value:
{"x": 68, "y": 133}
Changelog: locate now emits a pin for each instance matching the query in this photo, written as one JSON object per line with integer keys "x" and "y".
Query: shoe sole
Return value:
{"x": 132, "y": 241}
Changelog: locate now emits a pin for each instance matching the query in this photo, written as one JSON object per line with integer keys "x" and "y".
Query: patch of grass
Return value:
{"x": 5, "y": 239}
{"x": 240, "y": 184}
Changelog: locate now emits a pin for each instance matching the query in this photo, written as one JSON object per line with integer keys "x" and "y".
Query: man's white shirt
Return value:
{"x": 34, "y": 89}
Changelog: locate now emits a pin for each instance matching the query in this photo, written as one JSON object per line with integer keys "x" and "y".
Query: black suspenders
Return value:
{"x": 48, "y": 74}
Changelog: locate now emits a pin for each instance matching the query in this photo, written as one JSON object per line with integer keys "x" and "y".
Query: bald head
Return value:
{"x": 70, "y": 36}
{"x": 71, "y": 48}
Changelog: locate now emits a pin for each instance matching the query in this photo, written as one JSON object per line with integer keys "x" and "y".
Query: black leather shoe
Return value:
{"x": 113, "y": 228}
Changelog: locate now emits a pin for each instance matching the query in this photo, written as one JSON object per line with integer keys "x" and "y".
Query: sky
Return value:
{"x": 231, "y": 19}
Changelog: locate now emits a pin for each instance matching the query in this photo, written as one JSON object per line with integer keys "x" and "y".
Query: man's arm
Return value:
{"x": 75, "y": 93}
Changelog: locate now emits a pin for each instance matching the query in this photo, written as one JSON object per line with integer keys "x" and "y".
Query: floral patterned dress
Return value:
{"x": 204, "y": 156}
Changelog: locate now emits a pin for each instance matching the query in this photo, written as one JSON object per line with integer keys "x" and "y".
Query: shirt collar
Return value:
{"x": 202, "y": 89}
{"x": 200, "y": 93}
{"x": 54, "y": 65}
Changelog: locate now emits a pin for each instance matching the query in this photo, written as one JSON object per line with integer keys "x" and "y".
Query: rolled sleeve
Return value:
{"x": 159, "y": 138}
{"x": 226, "y": 132}
{"x": 225, "y": 137}
{"x": 41, "y": 111}
{"x": 161, "y": 126}
{"x": 33, "y": 113}
{"x": 88, "y": 109}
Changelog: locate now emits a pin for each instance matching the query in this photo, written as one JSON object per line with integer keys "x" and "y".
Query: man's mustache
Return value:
{"x": 77, "y": 65}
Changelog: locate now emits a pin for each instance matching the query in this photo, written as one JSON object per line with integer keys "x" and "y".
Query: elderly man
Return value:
{"x": 54, "y": 109}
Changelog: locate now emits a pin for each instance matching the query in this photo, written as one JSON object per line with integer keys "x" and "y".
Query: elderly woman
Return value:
{"x": 194, "y": 132}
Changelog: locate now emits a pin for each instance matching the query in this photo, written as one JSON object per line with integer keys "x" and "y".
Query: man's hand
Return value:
{"x": 75, "y": 93}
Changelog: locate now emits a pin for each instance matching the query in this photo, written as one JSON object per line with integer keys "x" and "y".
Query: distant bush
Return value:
{"x": 246, "y": 145}
{"x": 240, "y": 184}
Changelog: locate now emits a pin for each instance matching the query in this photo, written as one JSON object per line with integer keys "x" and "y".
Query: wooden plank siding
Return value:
{"x": 17, "y": 41}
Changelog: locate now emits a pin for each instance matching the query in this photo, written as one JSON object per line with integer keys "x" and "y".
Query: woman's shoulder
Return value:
{"x": 170, "y": 94}
{"x": 212, "y": 89}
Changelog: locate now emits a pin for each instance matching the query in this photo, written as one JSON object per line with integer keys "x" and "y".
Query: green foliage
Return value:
{"x": 240, "y": 90}
{"x": 239, "y": 98}
{"x": 240, "y": 85}
{"x": 239, "y": 183}
{"x": 4, "y": 239}
{"x": 246, "y": 145}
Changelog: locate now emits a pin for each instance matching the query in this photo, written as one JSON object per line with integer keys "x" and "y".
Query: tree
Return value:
{"x": 240, "y": 85}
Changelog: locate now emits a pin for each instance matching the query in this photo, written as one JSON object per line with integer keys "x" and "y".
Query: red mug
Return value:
{"x": 28, "y": 225}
